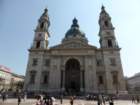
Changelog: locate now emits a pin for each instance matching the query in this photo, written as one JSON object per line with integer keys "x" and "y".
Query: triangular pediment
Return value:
{"x": 72, "y": 45}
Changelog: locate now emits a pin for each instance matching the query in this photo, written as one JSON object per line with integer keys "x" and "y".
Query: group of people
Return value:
{"x": 21, "y": 96}
{"x": 135, "y": 99}
{"x": 40, "y": 100}
{"x": 4, "y": 96}
{"x": 101, "y": 100}
{"x": 44, "y": 100}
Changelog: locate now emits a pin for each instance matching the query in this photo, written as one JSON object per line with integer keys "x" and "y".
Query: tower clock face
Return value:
{"x": 39, "y": 36}
{"x": 108, "y": 33}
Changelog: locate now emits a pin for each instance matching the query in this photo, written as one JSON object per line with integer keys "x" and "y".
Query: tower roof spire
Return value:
{"x": 43, "y": 22}
{"x": 45, "y": 12}
{"x": 45, "y": 15}
{"x": 103, "y": 7}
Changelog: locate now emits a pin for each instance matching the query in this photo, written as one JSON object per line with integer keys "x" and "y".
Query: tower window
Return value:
{"x": 47, "y": 62}
{"x": 45, "y": 81}
{"x": 39, "y": 36}
{"x": 45, "y": 76}
{"x": 32, "y": 77}
{"x": 99, "y": 62}
{"x": 110, "y": 43}
{"x": 42, "y": 25}
{"x": 38, "y": 44}
{"x": 100, "y": 80}
{"x": 106, "y": 23}
{"x": 115, "y": 79}
{"x": 112, "y": 61}
{"x": 35, "y": 61}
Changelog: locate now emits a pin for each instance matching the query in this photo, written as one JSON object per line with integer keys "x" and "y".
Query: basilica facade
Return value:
{"x": 74, "y": 66}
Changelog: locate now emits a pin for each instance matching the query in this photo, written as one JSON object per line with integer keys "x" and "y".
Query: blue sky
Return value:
{"x": 18, "y": 19}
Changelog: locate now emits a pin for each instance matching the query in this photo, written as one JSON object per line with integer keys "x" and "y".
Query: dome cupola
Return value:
{"x": 74, "y": 33}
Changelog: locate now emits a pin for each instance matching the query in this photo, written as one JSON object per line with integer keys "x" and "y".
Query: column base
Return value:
{"x": 62, "y": 89}
{"x": 82, "y": 89}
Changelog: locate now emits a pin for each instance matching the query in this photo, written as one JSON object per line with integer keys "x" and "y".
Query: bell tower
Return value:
{"x": 42, "y": 32}
{"x": 106, "y": 32}
{"x": 110, "y": 53}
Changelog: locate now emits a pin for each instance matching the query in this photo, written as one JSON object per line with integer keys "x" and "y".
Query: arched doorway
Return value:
{"x": 72, "y": 76}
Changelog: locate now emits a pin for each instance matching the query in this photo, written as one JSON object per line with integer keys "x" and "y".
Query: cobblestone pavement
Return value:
{"x": 65, "y": 102}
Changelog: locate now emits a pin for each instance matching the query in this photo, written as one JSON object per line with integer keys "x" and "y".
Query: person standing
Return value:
{"x": 25, "y": 96}
{"x": 138, "y": 99}
{"x": 61, "y": 99}
{"x": 71, "y": 101}
{"x": 98, "y": 101}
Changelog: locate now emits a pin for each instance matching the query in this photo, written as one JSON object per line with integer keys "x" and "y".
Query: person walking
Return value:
{"x": 133, "y": 99}
{"x": 38, "y": 101}
{"x": 111, "y": 101}
{"x": 3, "y": 96}
{"x": 98, "y": 102}
{"x": 19, "y": 99}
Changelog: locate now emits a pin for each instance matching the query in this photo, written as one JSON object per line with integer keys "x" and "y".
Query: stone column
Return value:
{"x": 38, "y": 77}
{"x": 82, "y": 81}
{"x": 108, "y": 83}
{"x": 95, "y": 81}
{"x": 63, "y": 81}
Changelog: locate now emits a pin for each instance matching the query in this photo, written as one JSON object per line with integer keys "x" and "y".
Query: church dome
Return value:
{"x": 75, "y": 32}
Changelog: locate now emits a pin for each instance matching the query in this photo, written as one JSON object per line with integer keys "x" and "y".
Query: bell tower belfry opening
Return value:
{"x": 72, "y": 76}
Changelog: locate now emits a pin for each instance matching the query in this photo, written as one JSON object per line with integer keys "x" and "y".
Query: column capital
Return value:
{"x": 82, "y": 67}
{"x": 63, "y": 67}
{"x": 82, "y": 70}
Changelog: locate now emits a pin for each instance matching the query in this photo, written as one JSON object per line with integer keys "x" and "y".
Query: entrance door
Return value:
{"x": 72, "y": 76}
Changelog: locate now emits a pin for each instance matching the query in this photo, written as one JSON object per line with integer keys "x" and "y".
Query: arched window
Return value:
{"x": 100, "y": 78}
{"x": 45, "y": 81}
{"x": 110, "y": 43}
{"x": 34, "y": 62}
{"x": 32, "y": 77}
{"x": 47, "y": 62}
{"x": 112, "y": 61}
{"x": 99, "y": 62}
{"x": 42, "y": 25}
{"x": 45, "y": 77}
{"x": 38, "y": 44}
{"x": 115, "y": 78}
{"x": 106, "y": 23}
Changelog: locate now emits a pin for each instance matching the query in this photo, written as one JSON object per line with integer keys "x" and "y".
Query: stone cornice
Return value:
{"x": 109, "y": 49}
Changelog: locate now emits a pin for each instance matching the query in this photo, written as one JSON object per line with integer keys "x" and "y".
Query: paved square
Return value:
{"x": 65, "y": 102}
